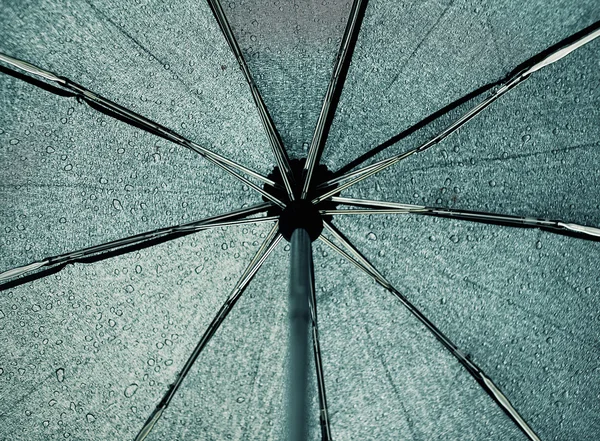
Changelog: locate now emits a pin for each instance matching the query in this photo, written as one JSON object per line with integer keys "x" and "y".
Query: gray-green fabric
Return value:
{"x": 534, "y": 152}
{"x": 88, "y": 352}
{"x": 72, "y": 177}
{"x": 290, "y": 48}
{"x": 523, "y": 303}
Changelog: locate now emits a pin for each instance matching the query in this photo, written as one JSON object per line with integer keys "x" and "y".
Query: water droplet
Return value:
{"x": 63, "y": 220}
{"x": 90, "y": 418}
{"x": 371, "y": 236}
{"x": 68, "y": 167}
{"x": 538, "y": 244}
{"x": 131, "y": 390}
{"x": 240, "y": 399}
{"x": 454, "y": 238}
{"x": 198, "y": 269}
{"x": 14, "y": 141}
{"x": 50, "y": 149}
{"x": 224, "y": 246}
{"x": 60, "y": 375}
{"x": 103, "y": 181}
{"x": 52, "y": 402}
{"x": 138, "y": 269}
{"x": 117, "y": 204}
{"x": 526, "y": 138}
{"x": 129, "y": 288}
{"x": 549, "y": 340}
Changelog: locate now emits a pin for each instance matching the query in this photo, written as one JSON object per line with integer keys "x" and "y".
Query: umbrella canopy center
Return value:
{"x": 300, "y": 213}
{"x": 303, "y": 214}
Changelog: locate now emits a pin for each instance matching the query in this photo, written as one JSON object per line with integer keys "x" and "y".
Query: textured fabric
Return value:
{"x": 414, "y": 58}
{"x": 88, "y": 352}
{"x": 290, "y": 48}
{"x": 72, "y": 177}
{"x": 387, "y": 377}
{"x": 522, "y": 303}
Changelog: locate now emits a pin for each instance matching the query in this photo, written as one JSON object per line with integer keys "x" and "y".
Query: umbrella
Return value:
{"x": 453, "y": 268}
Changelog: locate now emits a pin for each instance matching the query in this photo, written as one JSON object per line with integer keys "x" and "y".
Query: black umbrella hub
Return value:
{"x": 300, "y": 213}
{"x": 303, "y": 214}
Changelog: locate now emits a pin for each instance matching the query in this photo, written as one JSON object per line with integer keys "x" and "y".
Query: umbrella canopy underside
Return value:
{"x": 90, "y": 349}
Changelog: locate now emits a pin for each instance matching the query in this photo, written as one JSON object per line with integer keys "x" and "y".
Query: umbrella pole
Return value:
{"x": 301, "y": 286}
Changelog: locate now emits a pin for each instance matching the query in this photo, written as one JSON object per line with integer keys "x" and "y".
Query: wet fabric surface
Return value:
{"x": 291, "y": 48}
{"x": 89, "y": 351}
{"x": 83, "y": 178}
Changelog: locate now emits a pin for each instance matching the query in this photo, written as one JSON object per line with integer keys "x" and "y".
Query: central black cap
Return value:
{"x": 300, "y": 214}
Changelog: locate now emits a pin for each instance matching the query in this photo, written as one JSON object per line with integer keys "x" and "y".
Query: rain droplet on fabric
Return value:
{"x": 90, "y": 418}
{"x": 131, "y": 390}
{"x": 371, "y": 236}
{"x": 117, "y": 204}
{"x": 60, "y": 375}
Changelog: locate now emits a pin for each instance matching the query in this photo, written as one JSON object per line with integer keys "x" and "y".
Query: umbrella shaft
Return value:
{"x": 301, "y": 286}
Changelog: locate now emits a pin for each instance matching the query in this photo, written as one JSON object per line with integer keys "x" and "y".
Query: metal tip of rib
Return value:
{"x": 28, "y": 67}
{"x": 21, "y": 270}
{"x": 561, "y": 53}
{"x": 141, "y": 436}
{"x": 591, "y": 231}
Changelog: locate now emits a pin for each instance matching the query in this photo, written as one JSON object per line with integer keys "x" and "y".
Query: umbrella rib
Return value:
{"x": 512, "y": 81}
{"x": 357, "y": 259}
{"x": 127, "y": 244}
{"x": 381, "y": 207}
{"x": 323, "y": 410}
{"x": 271, "y": 241}
{"x": 281, "y": 155}
{"x": 334, "y": 90}
{"x": 117, "y": 111}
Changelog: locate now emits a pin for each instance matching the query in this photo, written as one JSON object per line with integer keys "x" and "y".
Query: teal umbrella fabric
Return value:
{"x": 93, "y": 342}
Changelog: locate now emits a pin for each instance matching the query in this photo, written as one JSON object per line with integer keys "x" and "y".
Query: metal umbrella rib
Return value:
{"x": 127, "y": 244}
{"x": 334, "y": 90}
{"x": 281, "y": 155}
{"x": 512, "y": 81}
{"x": 323, "y": 410}
{"x": 356, "y": 258}
{"x": 271, "y": 241}
{"x": 382, "y": 207}
{"x": 115, "y": 110}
